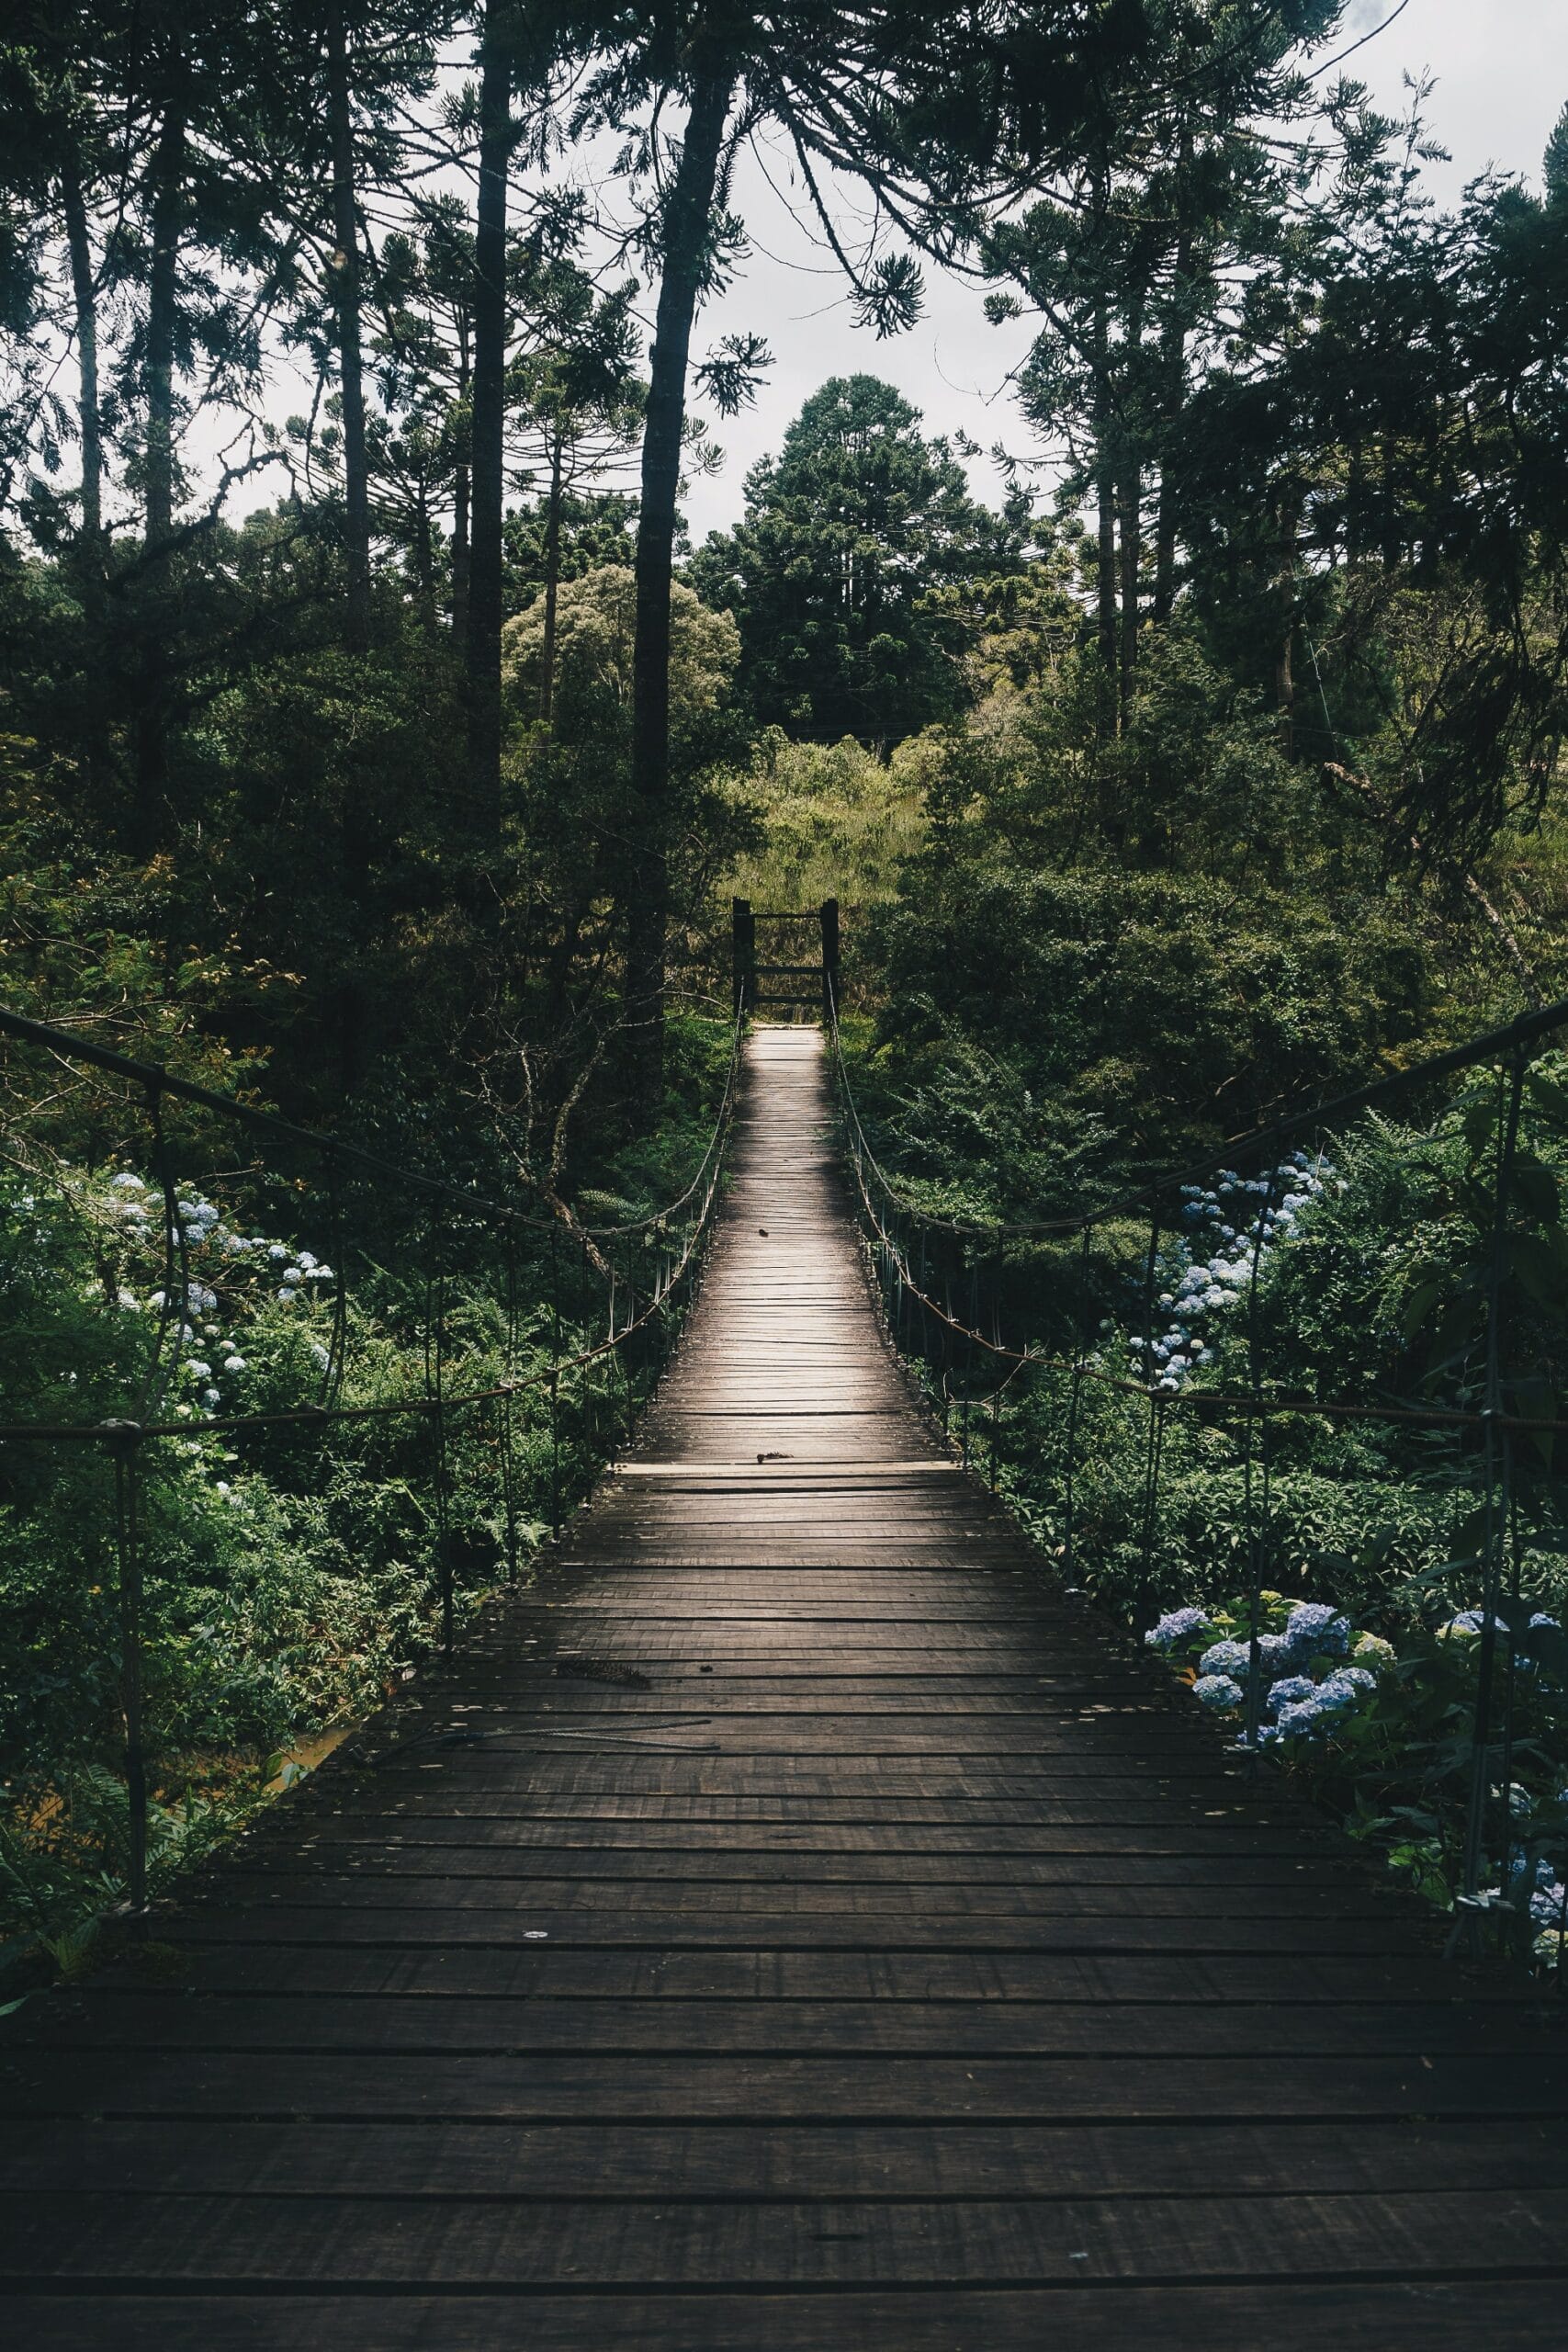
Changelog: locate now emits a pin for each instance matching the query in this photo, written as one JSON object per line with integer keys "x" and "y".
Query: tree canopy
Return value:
{"x": 849, "y": 535}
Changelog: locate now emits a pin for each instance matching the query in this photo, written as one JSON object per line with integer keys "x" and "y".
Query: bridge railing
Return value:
{"x": 577, "y": 1317}
{"x": 1058, "y": 1337}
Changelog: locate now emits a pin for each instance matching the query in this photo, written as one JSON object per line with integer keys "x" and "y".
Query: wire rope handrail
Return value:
{"x": 158, "y": 1080}
{"x": 1492, "y": 1044}
{"x": 1277, "y": 1403}
{"x": 1355, "y": 1408}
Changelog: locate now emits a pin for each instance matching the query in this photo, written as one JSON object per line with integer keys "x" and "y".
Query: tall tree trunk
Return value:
{"x": 351, "y": 366}
{"x": 1105, "y": 492}
{"x": 1164, "y": 599}
{"x": 1131, "y": 519}
{"x": 84, "y": 299}
{"x": 1173, "y": 370}
{"x": 685, "y": 233}
{"x": 1173, "y": 392}
{"x": 1131, "y": 505}
{"x": 460, "y": 557}
{"x": 488, "y": 433}
{"x": 460, "y": 504}
{"x": 158, "y": 493}
{"x": 424, "y": 559}
{"x": 1393, "y": 546}
{"x": 168, "y": 192}
{"x": 552, "y": 583}
{"x": 1284, "y": 662}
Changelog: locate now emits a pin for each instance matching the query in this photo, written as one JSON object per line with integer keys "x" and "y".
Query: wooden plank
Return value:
{"x": 345, "y": 1895}
{"x": 382, "y": 2024}
{"x": 1227, "y": 1982}
{"x": 401, "y": 1928}
{"x": 570, "y": 2086}
{"x": 1436, "y": 2315}
{"x": 211, "y": 2240}
{"x": 801, "y": 2161}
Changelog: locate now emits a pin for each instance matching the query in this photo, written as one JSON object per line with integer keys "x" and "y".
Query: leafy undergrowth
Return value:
{"x": 291, "y": 1573}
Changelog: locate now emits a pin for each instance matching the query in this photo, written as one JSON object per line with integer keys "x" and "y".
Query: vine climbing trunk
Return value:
{"x": 685, "y": 236}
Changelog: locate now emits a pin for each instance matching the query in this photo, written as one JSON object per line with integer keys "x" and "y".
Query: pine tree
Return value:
{"x": 836, "y": 574}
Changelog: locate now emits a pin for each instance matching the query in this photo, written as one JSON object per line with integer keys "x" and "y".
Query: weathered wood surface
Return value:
{"x": 790, "y": 1927}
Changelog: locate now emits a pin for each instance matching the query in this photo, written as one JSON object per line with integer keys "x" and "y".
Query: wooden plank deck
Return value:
{"x": 788, "y": 1927}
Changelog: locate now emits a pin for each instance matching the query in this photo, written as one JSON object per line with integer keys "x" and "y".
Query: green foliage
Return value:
{"x": 290, "y": 1575}
{"x": 1388, "y": 1290}
{"x": 596, "y": 528}
{"x": 836, "y": 823}
{"x": 836, "y": 575}
{"x": 596, "y": 625}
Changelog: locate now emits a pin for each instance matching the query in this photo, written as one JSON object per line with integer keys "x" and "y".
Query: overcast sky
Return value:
{"x": 1502, "y": 77}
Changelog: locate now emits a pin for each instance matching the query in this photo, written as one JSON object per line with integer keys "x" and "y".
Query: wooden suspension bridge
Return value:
{"x": 790, "y": 1924}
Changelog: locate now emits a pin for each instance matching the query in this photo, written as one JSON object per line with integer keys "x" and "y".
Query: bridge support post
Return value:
{"x": 830, "y": 918}
{"x": 743, "y": 954}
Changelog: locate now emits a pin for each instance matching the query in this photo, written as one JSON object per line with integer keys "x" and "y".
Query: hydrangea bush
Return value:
{"x": 1312, "y": 1669}
{"x": 1379, "y": 1726}
{"x": 1229, "y": 1226}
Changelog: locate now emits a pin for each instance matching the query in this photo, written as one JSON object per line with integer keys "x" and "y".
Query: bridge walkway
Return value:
{"x": 790, "y": 1925}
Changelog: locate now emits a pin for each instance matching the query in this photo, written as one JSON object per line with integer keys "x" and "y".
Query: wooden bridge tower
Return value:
{"x": 814, "y": 983}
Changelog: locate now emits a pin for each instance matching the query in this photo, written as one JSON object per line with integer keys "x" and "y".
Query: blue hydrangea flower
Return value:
{"x": 1302, "y": 1716}
{"x": 1314, "y": 1628}
{"x": 1344, "y": 1689}
{"x": 1540, "y": 1874}
{"x": 1217, "y": 1691}
{"x": 1290, "y": 1690}
{"x": 1176, "y": 1625}
{"x": 1226, "y": 1657}
{"x": 1547, "y": 1905}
